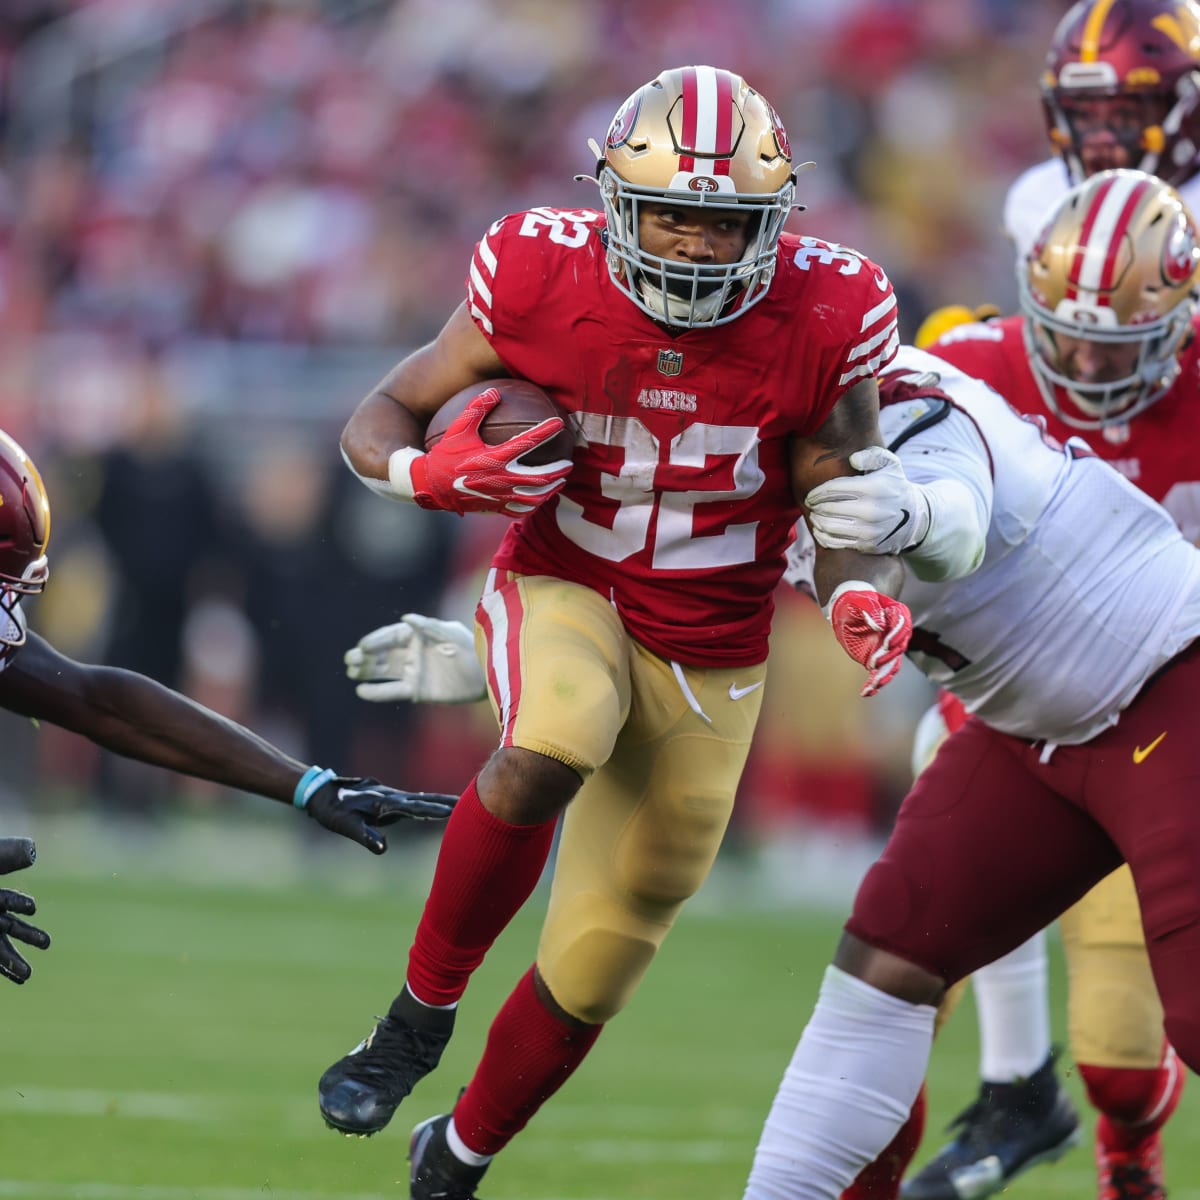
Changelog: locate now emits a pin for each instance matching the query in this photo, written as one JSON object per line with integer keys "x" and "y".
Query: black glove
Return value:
{"x": 354, "y": 807}
{"x": 15, "y": 855}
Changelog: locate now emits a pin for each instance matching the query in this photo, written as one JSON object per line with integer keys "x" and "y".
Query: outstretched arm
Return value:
{"x": 134, "y": 716}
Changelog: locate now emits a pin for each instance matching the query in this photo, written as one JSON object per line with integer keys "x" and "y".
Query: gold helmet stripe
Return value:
{"x": 1089, "y": 52}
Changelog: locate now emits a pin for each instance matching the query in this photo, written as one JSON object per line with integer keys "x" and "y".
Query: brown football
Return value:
{"x": 522, "y": 406}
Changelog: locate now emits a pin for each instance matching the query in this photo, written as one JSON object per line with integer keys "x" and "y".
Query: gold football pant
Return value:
{"x": 661, "y": 749}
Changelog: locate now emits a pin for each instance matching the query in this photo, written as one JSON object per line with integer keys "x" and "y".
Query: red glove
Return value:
{"x": 462, "y": 473}
{"x": 873, "y": 629}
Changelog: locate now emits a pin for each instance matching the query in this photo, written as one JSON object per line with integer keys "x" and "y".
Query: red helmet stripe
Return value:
{"x": 1089, "y": 223}
{"x": 687, "y": 132}
{"x": 706, "y": 120}
{"x": 723, "y": 145}
{"x": 1095, "y": 266}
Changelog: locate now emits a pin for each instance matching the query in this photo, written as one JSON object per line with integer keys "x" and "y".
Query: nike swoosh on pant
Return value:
{"x": 736, "y": 693}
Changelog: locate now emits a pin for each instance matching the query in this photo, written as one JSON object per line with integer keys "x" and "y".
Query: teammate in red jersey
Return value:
{"x": 134, "y": 716}
{"x": 714, "y": 370}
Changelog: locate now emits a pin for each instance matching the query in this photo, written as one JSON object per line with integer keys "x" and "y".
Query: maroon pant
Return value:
{"x": 991, "y": 845}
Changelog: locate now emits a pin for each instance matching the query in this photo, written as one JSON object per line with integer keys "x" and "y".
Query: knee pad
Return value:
{"x": 593, "y": 954}
{"x": 1141, "y": 1098}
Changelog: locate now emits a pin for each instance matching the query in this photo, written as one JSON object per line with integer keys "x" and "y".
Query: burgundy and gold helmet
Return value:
{"x": 1117, "y": 265}
{"x": 1121, "y": 87}
{"x": 695, "y": 137}
{"x": 24, "y": 532}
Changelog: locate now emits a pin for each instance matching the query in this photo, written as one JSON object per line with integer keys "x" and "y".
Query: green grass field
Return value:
{"x": 169, "y": 1044}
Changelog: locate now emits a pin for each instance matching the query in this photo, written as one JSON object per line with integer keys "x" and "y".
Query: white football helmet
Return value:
{"x": 1117, "y": 263}
{"x": 695, "y": 137}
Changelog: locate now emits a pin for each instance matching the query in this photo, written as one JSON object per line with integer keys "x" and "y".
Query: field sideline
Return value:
{"x": 168, "y": 1048}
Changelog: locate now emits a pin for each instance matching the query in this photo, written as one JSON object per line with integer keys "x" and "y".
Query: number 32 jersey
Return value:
{"x": 679, "y": 506}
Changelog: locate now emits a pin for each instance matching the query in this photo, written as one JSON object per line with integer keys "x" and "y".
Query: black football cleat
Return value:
{"x": 360, "y": 1093}
{"x": 1009, "y": 1128}
{"x": 435, "y": 1173}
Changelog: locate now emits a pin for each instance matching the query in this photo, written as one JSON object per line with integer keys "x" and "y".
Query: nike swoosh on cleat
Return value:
{"x": 736, "y": 693}
{"x": 1140, "y": 755}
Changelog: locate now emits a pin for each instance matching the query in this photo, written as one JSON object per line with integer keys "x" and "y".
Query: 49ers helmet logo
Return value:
{"x": 781, "y": 137}
{"x": 703, "y": 183}
{"x": 623, "y": 123}
{"x": 1181, "y": 255}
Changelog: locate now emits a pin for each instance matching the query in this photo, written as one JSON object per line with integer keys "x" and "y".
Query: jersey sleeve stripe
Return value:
{"x": 485, "y": 321}
{"x": 487, "y": 256}
{"x": 880, "y": 310}
{"x": 480, "y": 285}
{"x": 874, "y": 364}
{"x": 889, "y": 330}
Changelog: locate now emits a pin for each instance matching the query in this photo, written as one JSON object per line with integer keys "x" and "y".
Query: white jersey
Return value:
{"x": 1035, "y": 192}
{"x": 1086, "y": 586}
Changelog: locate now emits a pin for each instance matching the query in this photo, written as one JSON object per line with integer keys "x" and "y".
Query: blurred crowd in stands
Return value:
{"x": 222, "y": 220}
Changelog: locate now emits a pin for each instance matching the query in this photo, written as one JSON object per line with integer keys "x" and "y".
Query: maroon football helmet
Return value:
{"x": 24, "y": 532}
{"x": 1121, "y": 88}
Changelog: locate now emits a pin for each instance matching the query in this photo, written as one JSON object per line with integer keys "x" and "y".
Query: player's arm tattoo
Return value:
{"x": 852, "y": 424}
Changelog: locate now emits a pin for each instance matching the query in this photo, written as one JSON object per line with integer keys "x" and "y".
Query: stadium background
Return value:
{"x": 220, "y": 223}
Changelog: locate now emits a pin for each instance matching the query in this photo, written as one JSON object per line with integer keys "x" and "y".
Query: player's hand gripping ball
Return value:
{"x": 498, "y": 446}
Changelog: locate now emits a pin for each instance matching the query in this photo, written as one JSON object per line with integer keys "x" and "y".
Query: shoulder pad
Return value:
{"x": 908, "y": 404}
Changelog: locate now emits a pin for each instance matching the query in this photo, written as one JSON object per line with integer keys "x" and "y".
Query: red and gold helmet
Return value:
{"x": 1121, "y": 87}
{"x": 1114, "y": 273}
{"x": 695, "y": 137}
{"x": 24, "y": 532}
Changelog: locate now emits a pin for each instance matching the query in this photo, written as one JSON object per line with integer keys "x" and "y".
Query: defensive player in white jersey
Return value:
{"x": 137, "y": 717}
{"x": 714, "y": 369}
{"x": 1120, "y": 89}
{"x": 1072, "y": 646}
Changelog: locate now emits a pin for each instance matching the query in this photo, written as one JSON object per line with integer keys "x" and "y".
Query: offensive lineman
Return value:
{"x": 1120, "y": 89}
{"x": 1073, "y": 648}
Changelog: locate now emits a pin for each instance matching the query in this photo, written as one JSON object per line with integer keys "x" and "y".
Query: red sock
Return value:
{"x": 1133, "y": 1103}
{"x": 880, "y": 1180}
{"x": 485, "y": 872}
{"x": 530, "y": 1054}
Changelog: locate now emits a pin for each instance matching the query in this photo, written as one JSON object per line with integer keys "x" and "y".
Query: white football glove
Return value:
{"x": 880, "y": 511}
{"x": 420, "y": 659}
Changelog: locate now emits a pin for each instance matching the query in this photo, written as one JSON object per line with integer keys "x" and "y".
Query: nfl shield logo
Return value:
{"x": 670, "y": 362}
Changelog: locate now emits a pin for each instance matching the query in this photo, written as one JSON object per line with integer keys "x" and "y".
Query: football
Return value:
{"x": 522, "y": 406}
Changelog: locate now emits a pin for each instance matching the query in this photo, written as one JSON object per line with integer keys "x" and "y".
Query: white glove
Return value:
{"x": 420, "y": 659}
{"x": 880, "y": 511}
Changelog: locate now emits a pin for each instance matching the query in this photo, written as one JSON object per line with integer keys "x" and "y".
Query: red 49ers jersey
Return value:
{"x": 1156, "y": 450}
{"x": 679, "y": 507}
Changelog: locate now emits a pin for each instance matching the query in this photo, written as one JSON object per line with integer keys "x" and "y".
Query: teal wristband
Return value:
{"x": 312, "y": 779}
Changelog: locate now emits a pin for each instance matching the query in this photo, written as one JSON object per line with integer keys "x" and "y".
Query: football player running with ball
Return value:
{"x": 1072, "y": 647}
{"x": 624, "y": 621}
{"x": 134, "y": 716}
